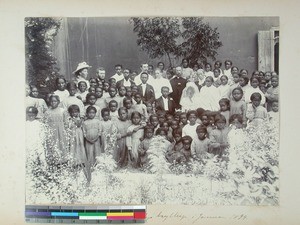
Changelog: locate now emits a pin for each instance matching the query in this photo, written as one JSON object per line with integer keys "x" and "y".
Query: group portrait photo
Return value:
{"x": 152, "y": 110}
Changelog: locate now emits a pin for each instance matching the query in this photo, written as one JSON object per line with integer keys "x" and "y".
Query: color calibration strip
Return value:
{"x": 85, "y": 214}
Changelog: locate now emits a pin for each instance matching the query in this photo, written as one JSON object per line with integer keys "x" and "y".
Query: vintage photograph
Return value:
{"x": 152, "y": 110}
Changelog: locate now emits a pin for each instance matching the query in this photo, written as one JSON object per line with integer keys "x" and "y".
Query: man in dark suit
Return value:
{"x": 126, "y": 82}
{"x": 146, "y": 90}
{"x": 178, "y": 84}
{"x": 165, "y": 102}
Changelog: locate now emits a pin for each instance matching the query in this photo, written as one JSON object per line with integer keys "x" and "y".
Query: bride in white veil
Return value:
{"x": 189, "y": 97}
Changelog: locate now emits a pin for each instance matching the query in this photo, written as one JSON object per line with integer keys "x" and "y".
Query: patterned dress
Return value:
{"x": 57, "y": 148}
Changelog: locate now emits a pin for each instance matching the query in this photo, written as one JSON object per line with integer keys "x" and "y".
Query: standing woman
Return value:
{"x": 81, "y": 73}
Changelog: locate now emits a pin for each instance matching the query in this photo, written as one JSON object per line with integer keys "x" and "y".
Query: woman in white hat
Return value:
{"x": 81, "y": 73}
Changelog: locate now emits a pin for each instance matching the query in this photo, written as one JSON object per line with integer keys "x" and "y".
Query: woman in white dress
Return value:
{"x": 189, "y": 98}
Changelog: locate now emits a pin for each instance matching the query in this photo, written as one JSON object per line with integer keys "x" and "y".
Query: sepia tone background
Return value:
{"x": 109, "y": 41}
{"x": 12, "y": 116}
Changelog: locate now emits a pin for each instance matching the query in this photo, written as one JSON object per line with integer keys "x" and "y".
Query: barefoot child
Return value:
{"x": 136, "y": 132}
{"x": 92, "y": 132}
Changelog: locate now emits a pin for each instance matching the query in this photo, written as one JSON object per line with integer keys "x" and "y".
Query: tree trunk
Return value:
{"x": 170, "y": 63}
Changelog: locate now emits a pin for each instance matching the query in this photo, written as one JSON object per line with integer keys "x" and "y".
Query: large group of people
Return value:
{"x": 192, "y": 108}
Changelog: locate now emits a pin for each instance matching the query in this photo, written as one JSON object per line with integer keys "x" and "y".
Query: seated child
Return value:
{"x": 186, "y": 150}
{"x": 218, "y": 137}
{"x": 144, "y": 146}
{"x": 183, "y": 120}
{"x": 256, "y": 114}
{"x": 201, "y": 145}
{"x": 153, "y": 119}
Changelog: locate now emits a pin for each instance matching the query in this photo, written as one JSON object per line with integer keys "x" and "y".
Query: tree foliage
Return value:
{"x": 157, "y": 36}
{"x": 187, "y": 37}
{"x": 200, "y": 40}
{"x": 41, "y": 65}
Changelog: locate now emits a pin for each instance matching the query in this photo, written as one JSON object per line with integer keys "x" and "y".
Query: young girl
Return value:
{"x": 120, "y": 154}
{"x": 113, "y": 107}
{"x": 254, "y": 81}
{"x": 135, "y": 132}
{"x": 209, "y": 96}
{"x": 55, "y": 118}
{"x": 92, "y": 132}
{"x": 93, "y": 82}
{"x": 35, "y": 139}
{"x": 274, "y": 114}
{"x": 224, "y": 88}
{"x": 61, "y": 91}
{"x": 144, "y": 146}
{"x": 256, "y": 114}
{"x": 112, "y": 91}
{"x": 218, "y": 137}
{"x": 40, "y": 103}
{"x": 100, "y": 102}
{"x": 82, "y": 91}
{"x": 216, "y": 77}
{"x": 244, "y": 84}
{"x": 208, "y": 71}
{"x": 105, "y": 90}
{"x": 237, "y": 104}
{"x": 72, "y": 99}
{"x": 91, "y": 101}
{"x": 227, "y": 70}
{"x": 109, "y": 132}
{"x": 225, "y": 109}
{"x": 272, "y": 94}
{"x": 76, "y": 141}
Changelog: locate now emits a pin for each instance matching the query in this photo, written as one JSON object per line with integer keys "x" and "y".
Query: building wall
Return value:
{"x": 109, "y": 41}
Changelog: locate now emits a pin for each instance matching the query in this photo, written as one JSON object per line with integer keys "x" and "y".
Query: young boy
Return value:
{"x": 186, "y": 150}
{"x": 127, "y": 102}
{"x": 140, "y": 107}
{"x": 200, "y": 146}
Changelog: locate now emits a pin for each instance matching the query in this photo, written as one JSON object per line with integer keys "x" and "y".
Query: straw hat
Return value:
{"x": 81, "y": 66}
